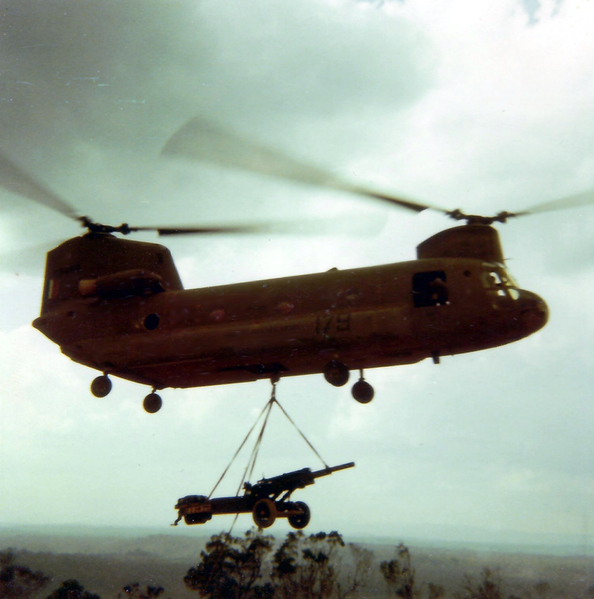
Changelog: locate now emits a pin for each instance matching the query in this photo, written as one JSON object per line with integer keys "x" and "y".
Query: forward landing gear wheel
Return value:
{"x": 101, "y": 386}
{"x": 300, "y": 521}
{"x": 152, "y": 403}
{"x": 264, "y": 513}
{"x": 362, "y": 391}
{"x": 336, "y": 373}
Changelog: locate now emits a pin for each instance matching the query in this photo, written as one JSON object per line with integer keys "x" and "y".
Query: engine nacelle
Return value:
{"x": 467, "y": 241}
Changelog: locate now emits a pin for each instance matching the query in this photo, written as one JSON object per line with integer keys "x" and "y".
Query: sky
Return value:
{"x": 482, "y": 106}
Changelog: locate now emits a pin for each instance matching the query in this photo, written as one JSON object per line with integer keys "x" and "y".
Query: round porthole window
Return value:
{"x": 151, "y": 322}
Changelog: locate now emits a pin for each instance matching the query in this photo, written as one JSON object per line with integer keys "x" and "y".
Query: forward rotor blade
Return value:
{"x": 16, "y": 180}
{"x": 363, "y": 226}
{"x": 203, "y": 141}
{"x": 164, "y": 231}
{"x": 584, "y": 198}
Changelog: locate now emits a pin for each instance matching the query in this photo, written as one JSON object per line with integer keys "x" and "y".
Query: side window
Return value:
{"x": 429, "y": 289}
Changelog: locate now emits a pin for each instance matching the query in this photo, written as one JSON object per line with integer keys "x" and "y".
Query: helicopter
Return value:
{"x": 119, "y": 306}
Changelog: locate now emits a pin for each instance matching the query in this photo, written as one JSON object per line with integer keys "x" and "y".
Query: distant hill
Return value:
{"x": 175, "y": 544}
{"x": 104, "y": 560}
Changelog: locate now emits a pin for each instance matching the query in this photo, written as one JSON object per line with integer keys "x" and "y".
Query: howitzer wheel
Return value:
{"x": 300, "y": 521}
{"x": 264, "y": 513}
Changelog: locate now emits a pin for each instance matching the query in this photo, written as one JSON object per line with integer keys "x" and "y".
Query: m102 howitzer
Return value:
{"x": 267, "y": 500}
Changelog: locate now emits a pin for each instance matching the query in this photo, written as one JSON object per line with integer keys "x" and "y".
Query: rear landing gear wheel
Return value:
{"x": 101, "y": 386}
{"x": 300, "y": 521}
{"x": 264, "y": 513}
{"x": 152, "y": 403}
{"x": 336, "y": 373}
{"x": 362, "y": 391}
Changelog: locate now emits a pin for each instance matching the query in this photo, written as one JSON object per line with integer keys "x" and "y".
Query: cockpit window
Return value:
{"x": 496, "y": 278}
{"x": 430, "y": 289}
{"x": 513, "y": 293}
{"x": 501, "y": 281}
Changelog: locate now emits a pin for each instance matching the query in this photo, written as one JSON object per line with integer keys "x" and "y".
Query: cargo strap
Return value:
{"x": 249, "y": 469}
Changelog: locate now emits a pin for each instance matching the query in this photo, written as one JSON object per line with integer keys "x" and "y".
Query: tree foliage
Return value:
{"x": 487, "y": 588}
{"x": 436, "y": 591}
{"x": 133, "y": 591}
{"x": 312, "y": 567}
{"x": 231, "y": 567}
{"x": 72, "y": 589}
{"x": 304, "y": 567}
{"x": 357, "y": 576}
{"x": 18, "y": 582}
{"x": 400, "y": 574}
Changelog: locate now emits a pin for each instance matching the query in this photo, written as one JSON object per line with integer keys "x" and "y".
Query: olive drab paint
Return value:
{"x": 119, "y": 306}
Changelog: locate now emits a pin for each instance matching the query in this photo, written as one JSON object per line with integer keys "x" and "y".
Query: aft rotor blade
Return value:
{"x": 204, "y": 141}
{"x": 15, "y": 179}
{"x": 584, "y": 198}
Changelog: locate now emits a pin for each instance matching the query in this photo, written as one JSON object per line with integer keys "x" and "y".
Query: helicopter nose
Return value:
{"x": 534, "y": 312}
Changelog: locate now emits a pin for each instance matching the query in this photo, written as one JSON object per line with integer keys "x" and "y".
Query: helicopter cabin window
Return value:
{"x": 430, "y": 289}
{"x": 151, "y": 322}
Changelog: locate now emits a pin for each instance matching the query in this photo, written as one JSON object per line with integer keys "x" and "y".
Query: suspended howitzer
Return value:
{"x": 267, "y": 500}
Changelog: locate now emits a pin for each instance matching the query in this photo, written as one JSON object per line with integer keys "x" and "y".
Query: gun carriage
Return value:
{"x": 267, "y": 500}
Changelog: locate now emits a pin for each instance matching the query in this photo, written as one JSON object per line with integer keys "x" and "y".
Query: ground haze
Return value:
{"x": 105, "y": 560}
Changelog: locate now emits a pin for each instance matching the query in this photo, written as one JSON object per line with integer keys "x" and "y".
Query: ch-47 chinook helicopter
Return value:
{"x": 118, "y": 305}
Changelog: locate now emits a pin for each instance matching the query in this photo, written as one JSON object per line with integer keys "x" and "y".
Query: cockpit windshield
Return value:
{"x": 496, "y": 277}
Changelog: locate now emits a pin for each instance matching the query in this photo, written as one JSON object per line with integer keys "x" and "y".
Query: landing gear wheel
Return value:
{"x": 300, "y": 521}
{"x": 264, "y": 513}
{"x": 336, "y": 373}
{"x": 101, "y": 386}
{"x": 152, "y": 403}
{"x": 362, "y": 391}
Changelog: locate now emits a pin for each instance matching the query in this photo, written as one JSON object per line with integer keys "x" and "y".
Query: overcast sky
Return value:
{"x": 485, "y": 106}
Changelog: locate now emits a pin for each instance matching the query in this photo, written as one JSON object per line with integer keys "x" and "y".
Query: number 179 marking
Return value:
{"x": 332, "y": 324}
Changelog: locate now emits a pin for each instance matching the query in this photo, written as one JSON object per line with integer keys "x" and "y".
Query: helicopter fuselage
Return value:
{"x": 140, "y": 324}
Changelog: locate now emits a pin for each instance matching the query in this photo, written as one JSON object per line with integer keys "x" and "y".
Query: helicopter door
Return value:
{"x": 429, "y": 289}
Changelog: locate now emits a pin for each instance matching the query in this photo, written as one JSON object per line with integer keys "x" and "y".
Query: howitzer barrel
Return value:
{"x": 330, "y": 470}
{"x": 293, "y": 480}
